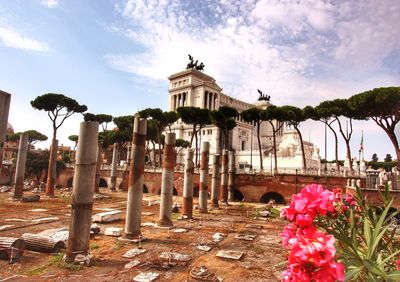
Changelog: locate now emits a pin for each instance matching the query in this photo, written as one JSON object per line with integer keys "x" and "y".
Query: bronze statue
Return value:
{"x": 193, "y": 65}
{"x": 200, "y": 67}
{"x": 190, "y": 65}
{"x": 263, "y": 97}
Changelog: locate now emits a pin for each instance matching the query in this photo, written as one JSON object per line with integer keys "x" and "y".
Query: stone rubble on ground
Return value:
{"x": 175, "y": 256}
{"x": 148, "y": 224}
{"x": 146, "y": 277}
{"x": 108, "y": 216}
{"x": 218, "y": 237}
{"x": 4, "y": 189}
{"x": 131, "y": 264}
{"x": 113, "y": 231}
{"x": 133, "y": 253}
{"x": 229, "y": 254}
{"x": 180, "y": 230}
{"x": 204, "y": 248}
{"x": 245, "y": 237}
{"x": 201, "y": 273}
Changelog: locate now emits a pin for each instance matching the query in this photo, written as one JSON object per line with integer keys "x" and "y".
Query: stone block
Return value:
{"x": 113, "y": 231}
{"x": 108, "y": 216}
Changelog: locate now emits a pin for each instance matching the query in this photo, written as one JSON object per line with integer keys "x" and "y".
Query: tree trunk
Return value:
{"x": 392, "y": 136}
{"x": 336, "y": 147}
{"x": 346, "y": 138}
{"x": 274, "y": 144}
{"x": 302, "y": 149}
{"x": 51, "y": 171}
{"x": 259, "y": 146}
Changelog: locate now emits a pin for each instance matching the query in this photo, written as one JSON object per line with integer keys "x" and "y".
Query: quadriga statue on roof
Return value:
{"x": 263, "y": 97}
{"x": 193, "y": 65}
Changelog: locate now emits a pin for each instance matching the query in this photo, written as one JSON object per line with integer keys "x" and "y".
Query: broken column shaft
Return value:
{"x": 215, "y": 181}
{"x": 52, "y": 171}
{"x": 21, "y": 164}
{"x": 224, "y": 177}
{"x": 5, "y": 100}
{"x": 98, "y": 167}
{"x": 114, "y": 168}
{"x": 136, "y": 179}
{"x": 187, "y": 207}
{"x": 203, "y": 194}
{"x": 231, "y": 176}
{"x": 167, "y": 181}
{"x": 82, "y": 195}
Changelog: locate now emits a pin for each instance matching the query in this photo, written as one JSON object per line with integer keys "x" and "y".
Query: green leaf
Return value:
{"x": 372, "y": 267}
{"x": 394, "y": 275}
{"x": 350, "y": 274}
{"x": 367, "y": 232}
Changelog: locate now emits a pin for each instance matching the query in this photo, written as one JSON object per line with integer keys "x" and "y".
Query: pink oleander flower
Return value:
{"x": 331, "y": 273}
{"x": 398, "y": 264}
{"x": 312, "y": 247}
{"x": 312, "y": 200}
{"x": 288, "y": 234}
{"x": 296, "y": 273}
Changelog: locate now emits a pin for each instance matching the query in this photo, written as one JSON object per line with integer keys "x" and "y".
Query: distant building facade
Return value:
{"x": 197, "y": 89}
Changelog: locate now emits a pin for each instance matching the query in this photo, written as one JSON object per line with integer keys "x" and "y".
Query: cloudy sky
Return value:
{"x": 115, "y": 56}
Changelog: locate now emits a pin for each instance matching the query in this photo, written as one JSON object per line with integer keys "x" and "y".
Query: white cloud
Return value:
{"x": 50, "y": 3}
{"x": 14, "y": 39}
{"x": 298, "y": 52}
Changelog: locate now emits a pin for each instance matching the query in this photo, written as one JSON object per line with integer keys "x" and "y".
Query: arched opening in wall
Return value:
{"x": 196, "y": 191}
{"x": 103, "y": 183}
{"x": 278, "y": 198}
{"x": 174, "y": 192}
{"x": 237, "y": 196}
{"x": 69, "y": 182}
{"x": 145, "y": 190}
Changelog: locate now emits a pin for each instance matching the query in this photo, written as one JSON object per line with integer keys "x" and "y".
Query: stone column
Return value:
{"x": 167, "y": 181}
{"x": 215, "y": 181}
{"x": 21, "y": 163}
{"x": 136, "y": 179}
{"x": 231, "y": 176}
{"x": 129, "y": 154}
{"x": 82, "y": 195}
{"x": 114, "y": 168}
{"x": 203, "y": 193}
{"x": 174, "y": 102}
{"x": 98, "y": 167}
{"x": 187, "y": 207}
{"x": 5, "y": 100}
{"x": 224, "y": 177}
{"x": 52, "y": 170}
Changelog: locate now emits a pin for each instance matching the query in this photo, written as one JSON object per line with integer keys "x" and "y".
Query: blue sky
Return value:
{"x": 115, "y": 56}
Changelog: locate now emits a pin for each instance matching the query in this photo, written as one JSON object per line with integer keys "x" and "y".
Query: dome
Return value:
{"x": 10, "y": 129}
